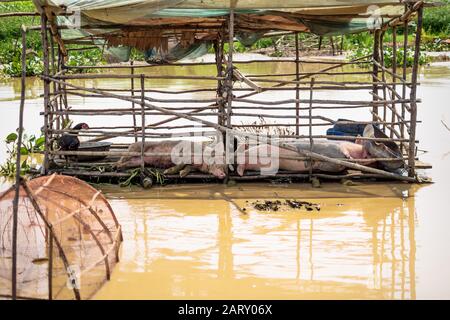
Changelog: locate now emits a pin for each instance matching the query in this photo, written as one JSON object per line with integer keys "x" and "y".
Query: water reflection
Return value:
{"x": 181, "y": 243}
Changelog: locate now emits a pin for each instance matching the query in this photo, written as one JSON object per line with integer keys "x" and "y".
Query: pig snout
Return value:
{"x": 218, "y": 171}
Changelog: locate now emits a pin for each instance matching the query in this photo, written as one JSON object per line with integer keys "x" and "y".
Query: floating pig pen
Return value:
{"x": 229, "y": 95}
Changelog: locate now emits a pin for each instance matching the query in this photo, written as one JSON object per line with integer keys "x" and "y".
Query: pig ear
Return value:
{"x": 347, "y": 154}
{"x": 369, "y": 131}
{"x": 240, "y": 170}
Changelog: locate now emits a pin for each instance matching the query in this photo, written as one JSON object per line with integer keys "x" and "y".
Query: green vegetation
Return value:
{"x": 364, "y": 46}
{"x": 11, "y": 47}
{"x": 437, "y": 20}
{"x": 30, "y": 144}
{"x": 10, "y": 43}
{"x": 147, "y": 177}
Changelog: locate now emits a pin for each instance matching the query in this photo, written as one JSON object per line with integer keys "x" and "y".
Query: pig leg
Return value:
{"x": 187, "y": 169}
{"x": 132, "y": 162}
{"x": 175, "y": 169}
{"x": 124, "y": 161}
{"x": 240, "y": 169}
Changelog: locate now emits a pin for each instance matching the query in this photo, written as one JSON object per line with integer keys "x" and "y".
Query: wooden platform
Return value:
{"x": 422, "y": 165}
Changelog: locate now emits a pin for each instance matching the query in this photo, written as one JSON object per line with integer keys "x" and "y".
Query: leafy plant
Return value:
{"x": 389, "y": 55}
{"x": 30, "y": 144}
{"x": 437, "y": 20}
{"x": 154, "y": 173}
{"x": 84, "y": 58}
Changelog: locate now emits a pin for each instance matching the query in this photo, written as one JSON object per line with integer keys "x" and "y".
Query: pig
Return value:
{"x": 269, "y": 157}
{"x": 384, "y": 149}
{"x": 167, "y": 162}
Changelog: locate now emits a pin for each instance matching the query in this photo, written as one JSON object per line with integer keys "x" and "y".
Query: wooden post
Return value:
{"x": 394, "y": 71}
{"x": 45, "y": 57}
{"x": 18, "y": 181}
{"x": 320, "y": 42}
{"x": 332, "y": 46}
{"x": 133, "y": 104}
{"x": 413, "y": 104}
{"x": 142, "y": 122}
{"x": 50, "y": 267}
{"x": 59, "y": 89}
{"x": 53, "y": 105}
{"x": 62, "y": 88}
{"x": 405, "y": 48}
{"x": 218, "y": 50}
{"x": 376, "y": 57}
{"x": 383, "y": 78}
{"x": 297, "y": 86}
{"x": 229, "y": 144}
{"x": 311, "y": 141}
{"x": 230, "y": 66}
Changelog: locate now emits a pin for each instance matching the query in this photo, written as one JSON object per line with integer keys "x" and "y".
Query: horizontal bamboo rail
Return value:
{"x": 19, "y": 14}
{"x": 134, "y": 76}
{"x": 246, "y": 89}
{"x": 162, "y": 154}
{"x": 122, "y": 66}
{"x": 255, "y": 177}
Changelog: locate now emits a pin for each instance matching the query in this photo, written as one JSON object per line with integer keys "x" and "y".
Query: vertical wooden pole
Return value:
{"x": 413, "y": 104}
{"x": 320, "y": 42}
{"x": 142, "y": 121}
{"x": 50, "y": 265}
{"x": 221, "y": 84}
{"x": 54, "y": 104}
{"x": 133, "y": 104}
{"x": 62, "y": 88}
{"x": 394, "y": 79}
{"x": 230, "y": 66}
{"x": 333, "y": 50}
{"x": 297, "y": 86}
{"x": 229, "y": 144}
{"x": 311, "y": 141}
{"x": 59, "y": 88}
{"x": 405, "y": 49}
{"x": 18, "y": 181}
{"x": 376, "y": 57}
{"x": 218, "y": 50}
{"x": 45, "y": 55}
{"x": 383, "y": 78}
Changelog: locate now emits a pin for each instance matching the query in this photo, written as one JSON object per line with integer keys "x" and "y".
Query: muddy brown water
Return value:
{"x": 370, "y": 241}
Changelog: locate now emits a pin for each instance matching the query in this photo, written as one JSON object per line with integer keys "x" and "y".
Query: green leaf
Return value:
{"x": 39, "y": 142}
{"x": 11, "y": 137}
{"x": 23, "y": 151}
